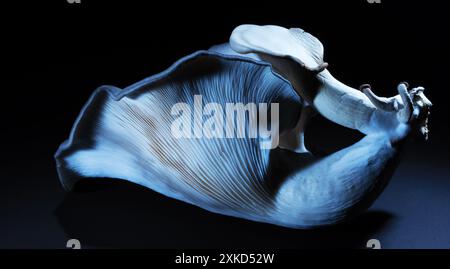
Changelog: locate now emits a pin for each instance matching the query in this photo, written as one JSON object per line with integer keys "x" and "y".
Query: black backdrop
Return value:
{"x": 55, "y": 54}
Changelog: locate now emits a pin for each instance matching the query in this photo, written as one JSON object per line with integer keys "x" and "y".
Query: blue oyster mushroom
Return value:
{"x": 176, "y": 132}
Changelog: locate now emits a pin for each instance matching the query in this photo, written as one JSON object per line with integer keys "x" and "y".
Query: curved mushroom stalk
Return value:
{"x": 298, "y": 57}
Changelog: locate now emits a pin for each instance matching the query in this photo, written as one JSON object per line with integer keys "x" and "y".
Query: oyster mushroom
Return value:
{"x": 126, "y": 133}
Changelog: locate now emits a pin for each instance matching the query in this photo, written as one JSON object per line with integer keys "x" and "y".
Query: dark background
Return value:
{"x": 54, "y": 54}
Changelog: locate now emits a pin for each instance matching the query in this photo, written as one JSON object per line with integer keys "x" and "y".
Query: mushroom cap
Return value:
{"x": 293, "y": 43}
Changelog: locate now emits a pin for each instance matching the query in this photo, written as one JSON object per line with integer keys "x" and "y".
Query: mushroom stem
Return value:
{"x": 344, "y": 105}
